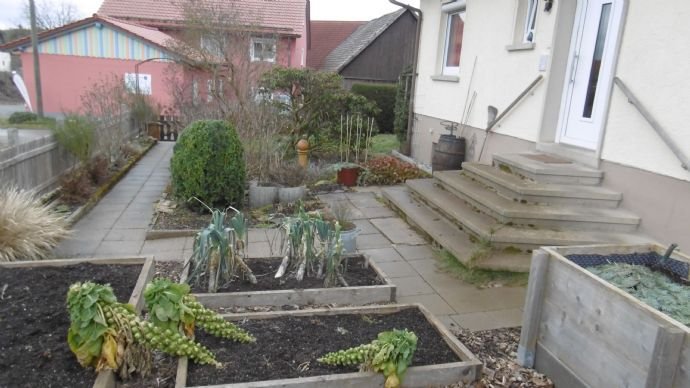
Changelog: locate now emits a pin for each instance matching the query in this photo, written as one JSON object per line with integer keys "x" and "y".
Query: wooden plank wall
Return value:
{"x": 35, "y": 164}
{"x": 384, "y": 59}
{"x": 607, "y": 338}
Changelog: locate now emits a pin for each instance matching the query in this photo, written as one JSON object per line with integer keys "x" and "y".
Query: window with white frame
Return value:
{"x": 213, "y": 44}
{"x": 213, "y": 89}
{"x": 453, "y": 43}
{"x": 263, "y": 49}
{"x": 530, "y": 21}
{"x": 454, "y": 14}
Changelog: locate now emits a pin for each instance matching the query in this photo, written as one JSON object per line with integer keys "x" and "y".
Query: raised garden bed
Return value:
{"x": 581, "y": 330}
{"x": 34, "y": 318}
{"x": 288, "y": 344}
{"x": 176, "y": 220}
{"x": 367, "y": 284}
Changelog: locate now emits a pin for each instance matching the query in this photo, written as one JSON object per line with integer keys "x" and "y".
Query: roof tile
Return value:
{"x": 325, "y": 36}
{"x": 287, "y": 15}
{"x": 358, "y": 41}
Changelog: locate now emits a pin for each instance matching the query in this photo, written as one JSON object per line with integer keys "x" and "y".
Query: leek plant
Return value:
{"x": 390, "y": 353}
{"x": 106, "y": 334}
{"x": 311, "y": 247}
{"x": 171, "y": 307}
{"x": 219, "y": 251}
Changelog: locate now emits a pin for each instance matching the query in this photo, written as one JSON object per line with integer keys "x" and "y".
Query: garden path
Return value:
{"x": 117, "y": 227}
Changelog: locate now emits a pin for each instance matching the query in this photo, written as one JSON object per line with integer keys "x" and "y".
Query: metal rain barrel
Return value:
{"x": 448, "y": 153}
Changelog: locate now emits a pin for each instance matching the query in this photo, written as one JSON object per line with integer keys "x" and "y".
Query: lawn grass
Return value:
{"x": 384, "y": 144}
{"x": 479, "y": 277}
{"x": 45, "y": 123}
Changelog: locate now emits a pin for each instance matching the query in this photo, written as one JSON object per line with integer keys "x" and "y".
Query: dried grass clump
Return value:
{"x": 28, "y": 229}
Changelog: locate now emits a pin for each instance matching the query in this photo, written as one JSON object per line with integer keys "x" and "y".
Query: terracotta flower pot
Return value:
{"x": 348, "y": 176}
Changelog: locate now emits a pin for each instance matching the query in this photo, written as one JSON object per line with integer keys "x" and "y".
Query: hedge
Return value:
{"x": 384, "y": 97}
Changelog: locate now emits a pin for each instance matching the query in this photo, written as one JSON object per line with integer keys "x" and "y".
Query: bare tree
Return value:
{"x": 229, "y": 46}
{"x": 226, "y": 52}
{"x": 52, "y": 14}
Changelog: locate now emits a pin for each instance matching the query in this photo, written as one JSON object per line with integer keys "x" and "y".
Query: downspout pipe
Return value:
{"x": 410, "y": 114}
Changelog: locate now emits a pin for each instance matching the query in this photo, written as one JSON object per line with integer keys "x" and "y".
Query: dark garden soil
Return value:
{"x": 288, "y": 347}
{"x": 497, "y": 349}
{"x": 179, "y": 217}
{"x": 264, "y": 270}
{"x": 34, "y": 322}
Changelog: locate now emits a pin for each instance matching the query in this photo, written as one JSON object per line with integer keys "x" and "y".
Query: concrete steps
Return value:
{"x": 484, "y": 227}
{"x": 544, "y": 168}
{"x": 447, "y": 235}
{"x": 524, "y": 190}
{"x": 508, "y": 211}
{"x": 522, "y": 202}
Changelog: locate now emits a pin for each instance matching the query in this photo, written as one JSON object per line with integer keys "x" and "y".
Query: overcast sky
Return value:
{"x": 11, "y": 10}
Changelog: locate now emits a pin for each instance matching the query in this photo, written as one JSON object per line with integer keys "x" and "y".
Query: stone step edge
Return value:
{"x": 494, "y": 263}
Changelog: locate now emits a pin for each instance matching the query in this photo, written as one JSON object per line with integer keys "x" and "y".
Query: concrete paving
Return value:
{"x": 117, "y": 227}
{"x": 413, "y": 266}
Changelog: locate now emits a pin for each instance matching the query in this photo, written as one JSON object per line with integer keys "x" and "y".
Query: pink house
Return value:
{"x": 135, "y": 39}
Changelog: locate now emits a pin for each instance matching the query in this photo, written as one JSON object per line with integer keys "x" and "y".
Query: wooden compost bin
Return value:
{"x": 467, "y": 370}
{"x": 582, "y": 331}
{"x": 104, "y": 379}
{"x": 355, "y": 295}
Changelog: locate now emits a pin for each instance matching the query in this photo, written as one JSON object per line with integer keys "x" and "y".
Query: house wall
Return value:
{"x": 499, "y": 75}
{"x": 654, "y": 64}
{"x": 64, "y": 79}
{"x": 384, "y": 59}
{"x": 100, "y": 42}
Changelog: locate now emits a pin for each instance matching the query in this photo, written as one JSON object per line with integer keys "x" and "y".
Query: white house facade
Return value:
{"x": 571, "y": 61}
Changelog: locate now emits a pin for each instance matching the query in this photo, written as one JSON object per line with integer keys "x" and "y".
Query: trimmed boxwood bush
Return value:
{"x": 208, "y": 163}
{"x": 22, "y": 117}
{"x": 384, "y": 97}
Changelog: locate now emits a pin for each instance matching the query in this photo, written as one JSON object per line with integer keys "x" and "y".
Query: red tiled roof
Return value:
{"x": 288, "y": 15}
{"x": 325, "y": 36}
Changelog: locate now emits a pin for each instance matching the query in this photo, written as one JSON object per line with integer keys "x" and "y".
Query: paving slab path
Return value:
{"x": 117, "y": 227}
{"x": 413, "y": 265}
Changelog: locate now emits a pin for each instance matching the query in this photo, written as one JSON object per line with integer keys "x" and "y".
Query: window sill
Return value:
{"x": 445, "y": 78}
{"x": 520, "y": 46}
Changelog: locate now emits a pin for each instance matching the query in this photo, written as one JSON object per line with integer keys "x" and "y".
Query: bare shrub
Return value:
{"x": 28, "y": 230}
{"x": 76, "y": 186}
{"x": 106, "y": 103}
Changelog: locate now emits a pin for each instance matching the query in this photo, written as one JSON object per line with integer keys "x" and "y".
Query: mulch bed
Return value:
{"x": 180, "y": 217}
{"x": 265, "y": 269}
{"x": 34, "y": 322}
{"x": 288, "y": 347}
{"x": 497, "y": 349}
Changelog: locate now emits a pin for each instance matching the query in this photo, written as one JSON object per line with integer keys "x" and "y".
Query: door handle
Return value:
{"x": 573, "y": 67}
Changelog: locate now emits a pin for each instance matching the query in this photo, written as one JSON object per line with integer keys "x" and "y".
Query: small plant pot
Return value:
{"x": 349, "y": 240}
{"x": 348, "y": 176}
{"x": 291, "y": 194}
{"x": 262, "y": 195}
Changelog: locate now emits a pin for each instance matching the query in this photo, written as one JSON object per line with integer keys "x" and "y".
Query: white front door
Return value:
{"x": 591, "y": 70}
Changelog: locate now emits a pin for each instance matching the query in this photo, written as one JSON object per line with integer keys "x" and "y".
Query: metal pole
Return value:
{"x": 37, "y": 68}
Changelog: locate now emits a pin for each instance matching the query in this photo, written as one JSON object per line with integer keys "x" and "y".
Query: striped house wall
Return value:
{"x": 100, "y": 42}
